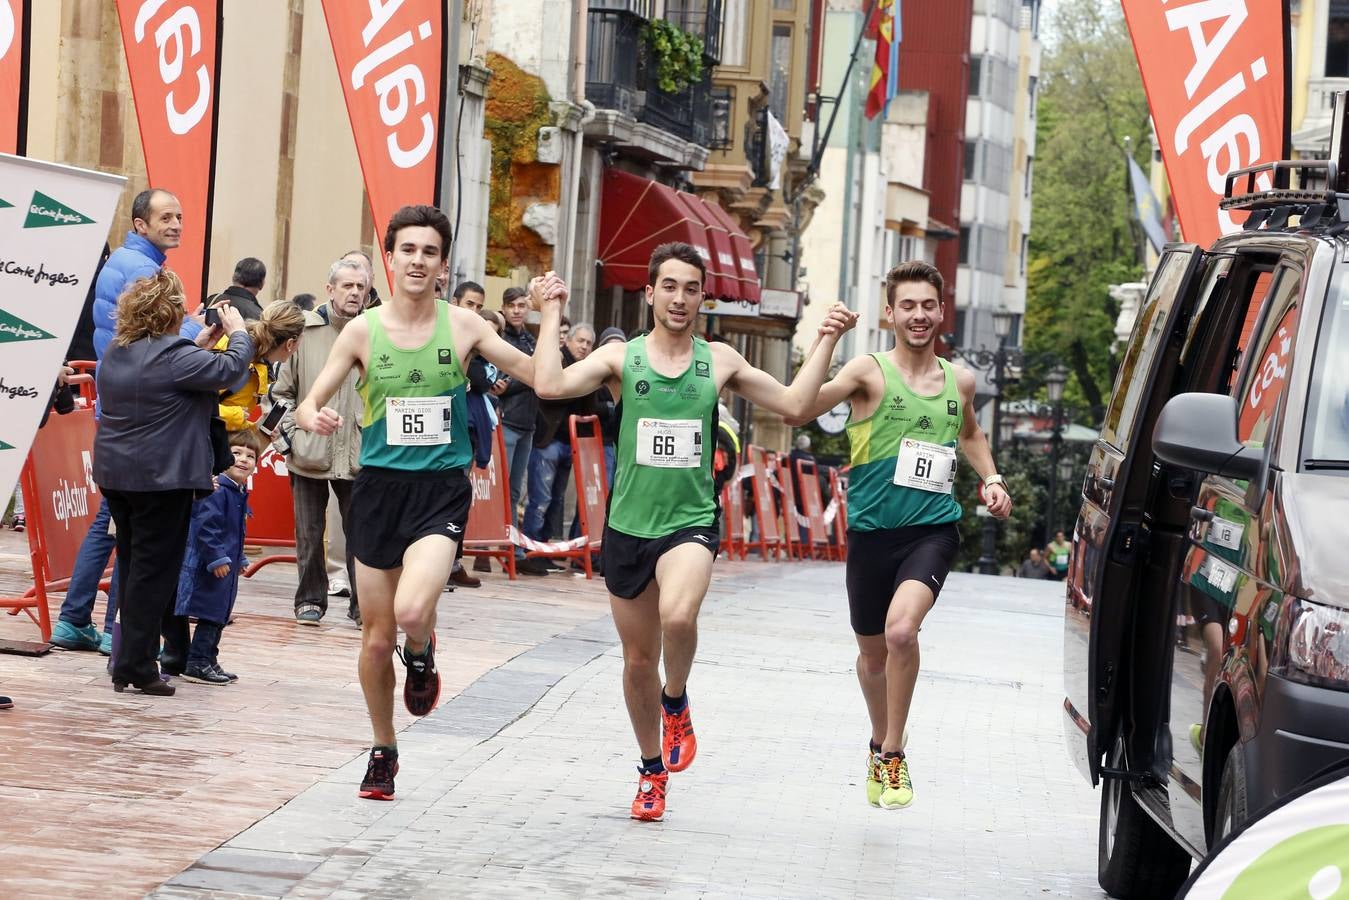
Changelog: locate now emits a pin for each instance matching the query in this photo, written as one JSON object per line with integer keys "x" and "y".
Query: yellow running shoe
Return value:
{"x": 874, "y": 776}
{"x": 1197, "y": 738}
{"x": 898, "y": 787}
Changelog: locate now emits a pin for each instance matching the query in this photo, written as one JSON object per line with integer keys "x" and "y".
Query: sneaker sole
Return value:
{"x": 407, "y": 703}
{"x": 313, "y": 623}
{"x": 195, "y": 680}
{"x": 374, "y": 795}
{"x": 884, "y": 805}
{"x": 71, "y": 645}
{"x": 648, "y": 817}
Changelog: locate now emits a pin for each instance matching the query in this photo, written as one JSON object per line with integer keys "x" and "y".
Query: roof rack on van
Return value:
{"x": 1321, "y": 195}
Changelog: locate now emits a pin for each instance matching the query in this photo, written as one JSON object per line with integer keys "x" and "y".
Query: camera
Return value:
{"x": 212, "y": 317}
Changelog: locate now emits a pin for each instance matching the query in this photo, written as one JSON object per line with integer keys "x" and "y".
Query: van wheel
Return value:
{"x": 1136, "y": 857}
{"x": 1231, "y": 809}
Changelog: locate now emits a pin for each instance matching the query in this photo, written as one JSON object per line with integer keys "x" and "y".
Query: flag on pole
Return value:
{"x": 1147, "y": 207}
{"x": 885, "y": 70}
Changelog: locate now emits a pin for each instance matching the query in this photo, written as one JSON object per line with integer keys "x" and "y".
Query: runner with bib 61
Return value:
{"x": 662, "y": 531}
{"x": 910, "y": 408}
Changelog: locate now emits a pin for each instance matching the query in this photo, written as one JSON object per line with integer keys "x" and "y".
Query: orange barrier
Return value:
{"x": 808, "y": 477}
{"x": 733, "y": 511}
{"x": 592, "y": 486}
{"x": 838, "y": 486}
{"x": 765, "y": 505}
{"x": 488, "y": 532}
{"x": 272, "y": 523}
{"x": 61, "y": 501}
{"x": 791, "y": 528}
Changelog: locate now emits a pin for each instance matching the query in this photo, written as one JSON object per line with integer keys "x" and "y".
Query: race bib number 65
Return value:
{"x": 670, "y": 443}
{"x": 417, "y": 421}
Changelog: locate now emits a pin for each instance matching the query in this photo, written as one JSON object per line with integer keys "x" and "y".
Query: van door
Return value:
{"x": 1111, "y": 530}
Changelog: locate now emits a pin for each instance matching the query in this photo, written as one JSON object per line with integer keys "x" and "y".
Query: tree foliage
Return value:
{"x": 1083, "y": 238}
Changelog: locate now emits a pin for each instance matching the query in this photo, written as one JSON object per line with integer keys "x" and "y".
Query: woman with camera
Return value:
{"x": 153, "y": 454}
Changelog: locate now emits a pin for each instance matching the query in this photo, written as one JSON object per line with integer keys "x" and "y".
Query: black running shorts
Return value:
{"x": 630, "y": 562}
{"x": 391, "y": 509}
{"x": 878, "y": 561}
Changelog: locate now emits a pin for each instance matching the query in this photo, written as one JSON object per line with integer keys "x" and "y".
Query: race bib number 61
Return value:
{"x": 925, "y": 466}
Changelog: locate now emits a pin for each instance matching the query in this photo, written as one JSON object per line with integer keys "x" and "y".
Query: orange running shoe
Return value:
{"x": 649, "y": 805}
{"x": 678, "y": 745}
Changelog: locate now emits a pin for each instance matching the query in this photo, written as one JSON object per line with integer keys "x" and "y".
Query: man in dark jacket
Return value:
{"x": 550, "y": 465}
{"x": 250, "y": 274}
{"x": 519, "y": 408}
{"x": 156, "y": 227}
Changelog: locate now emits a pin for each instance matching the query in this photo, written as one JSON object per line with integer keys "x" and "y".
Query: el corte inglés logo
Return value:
{"x": 12, "y": 328}
{"x": 45, "y": 212}
{"x": 5, "y": 204}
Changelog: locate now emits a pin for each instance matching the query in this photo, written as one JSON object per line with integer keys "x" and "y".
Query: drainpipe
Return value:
{"x": 580, "y": 12}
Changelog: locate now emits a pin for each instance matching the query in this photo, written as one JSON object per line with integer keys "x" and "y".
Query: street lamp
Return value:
{"x": 1054, "y": 382}
{"x": 1002, "y": 327}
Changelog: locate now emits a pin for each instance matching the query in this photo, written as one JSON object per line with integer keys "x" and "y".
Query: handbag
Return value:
{"x": 221, "y": 455}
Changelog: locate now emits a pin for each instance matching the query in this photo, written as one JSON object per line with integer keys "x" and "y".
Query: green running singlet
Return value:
{"x": 666, "y": 439}
{"x": 415, "y": 418}
{"x": 903, "y": 456}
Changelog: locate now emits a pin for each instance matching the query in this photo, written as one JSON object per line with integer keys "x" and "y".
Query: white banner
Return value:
{"x": 53, "y": 222}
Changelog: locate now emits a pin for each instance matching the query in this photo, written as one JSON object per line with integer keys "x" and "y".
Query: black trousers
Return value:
{"x": 310, "y": 499}
{"x": 205, "y": 643}
{"x": 151, "y": 539}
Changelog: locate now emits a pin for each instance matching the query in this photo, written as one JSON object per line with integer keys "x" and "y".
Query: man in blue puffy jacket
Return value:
{"x": 156, "y": 227}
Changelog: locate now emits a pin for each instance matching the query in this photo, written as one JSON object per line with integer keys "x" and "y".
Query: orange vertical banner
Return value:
{"x": 391, "y": 60}
{"x": 173, "y": 58}
{"x": 13, "y": 74}
{"x": 1216, "y": 75}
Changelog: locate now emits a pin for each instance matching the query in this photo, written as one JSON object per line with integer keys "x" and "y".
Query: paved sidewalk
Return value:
{"x": 115, "y": 793}
{"x": 519, "y": 787}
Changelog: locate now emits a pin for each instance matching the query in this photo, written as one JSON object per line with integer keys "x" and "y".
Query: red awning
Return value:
{"x": 637, "y": 215}
{"x": 742, "y": 253}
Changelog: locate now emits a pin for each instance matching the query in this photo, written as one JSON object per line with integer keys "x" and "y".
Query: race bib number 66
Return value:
{"x": 670, "y": 443}
{"x": 417, "y": 421}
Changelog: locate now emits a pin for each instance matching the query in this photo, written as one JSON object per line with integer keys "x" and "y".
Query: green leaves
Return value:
{"x": 677, "y": 53}
{"x": 1083, "y": 238}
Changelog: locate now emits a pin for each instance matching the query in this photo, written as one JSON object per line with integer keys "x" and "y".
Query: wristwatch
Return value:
{"x": 995, "y": 479}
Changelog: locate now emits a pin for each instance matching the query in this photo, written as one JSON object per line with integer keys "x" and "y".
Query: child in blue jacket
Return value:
{"x": 209, "y": 580}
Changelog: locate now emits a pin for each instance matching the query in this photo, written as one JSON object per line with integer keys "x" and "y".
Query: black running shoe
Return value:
{"x": 378, "y": 783}
{"x": 421, "y": 688}
{"x": 207, "y": 674}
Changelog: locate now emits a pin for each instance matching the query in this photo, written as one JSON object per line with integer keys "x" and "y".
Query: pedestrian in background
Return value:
{"x": 1059, "y": 553}
{"x": 304, "y": 301}
{"x": 1035, "y": 566}
{"x": 519, "y": 410}
{"x": 153, "y": 455}
{"x": 156, "y": 228}
{"x": 208, "y": 583}
{"x": 320, "y": 464}
{"x": 250, "y": 274}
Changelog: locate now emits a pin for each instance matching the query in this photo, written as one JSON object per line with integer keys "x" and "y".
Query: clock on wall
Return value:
{"x": 835, "y": 420}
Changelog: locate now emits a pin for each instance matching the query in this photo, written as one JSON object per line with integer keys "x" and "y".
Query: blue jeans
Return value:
{"x": 548, "y": 468}
{"x": 78, "y": 606}
{"x": 518, "y": 446}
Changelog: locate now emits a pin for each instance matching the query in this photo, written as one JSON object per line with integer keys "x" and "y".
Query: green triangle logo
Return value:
{"x": 5, "y": 204}
{"x": 45, "y": 212}
{"x": 4, "y": 446}
{"x": 12, "y": 328}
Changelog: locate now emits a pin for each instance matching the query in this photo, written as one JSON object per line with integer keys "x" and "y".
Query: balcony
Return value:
{"x": 1313, "y": 138}
{"x": 621, "y": 73}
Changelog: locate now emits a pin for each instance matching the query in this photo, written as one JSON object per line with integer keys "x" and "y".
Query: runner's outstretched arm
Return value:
{"x": 312, "y": 414}
{"x": 847, "y": 385}
{"x": 762, "y": 389}
{"x": 974, "y": 446}
{"x": 497, "y": 350}
{"x": 581, "y": 377}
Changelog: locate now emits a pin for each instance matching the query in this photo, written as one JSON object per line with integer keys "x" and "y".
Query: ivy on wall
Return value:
{"x": 677, "y": 54}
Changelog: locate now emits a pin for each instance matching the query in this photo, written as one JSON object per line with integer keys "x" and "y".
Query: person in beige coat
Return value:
{"x": 320, "y": 464}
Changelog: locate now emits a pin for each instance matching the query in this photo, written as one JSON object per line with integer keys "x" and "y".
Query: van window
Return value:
{"x": 1327, "y": 436}
{"x": 1270, "y": 356}
{"x": 1148, "y": 336}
